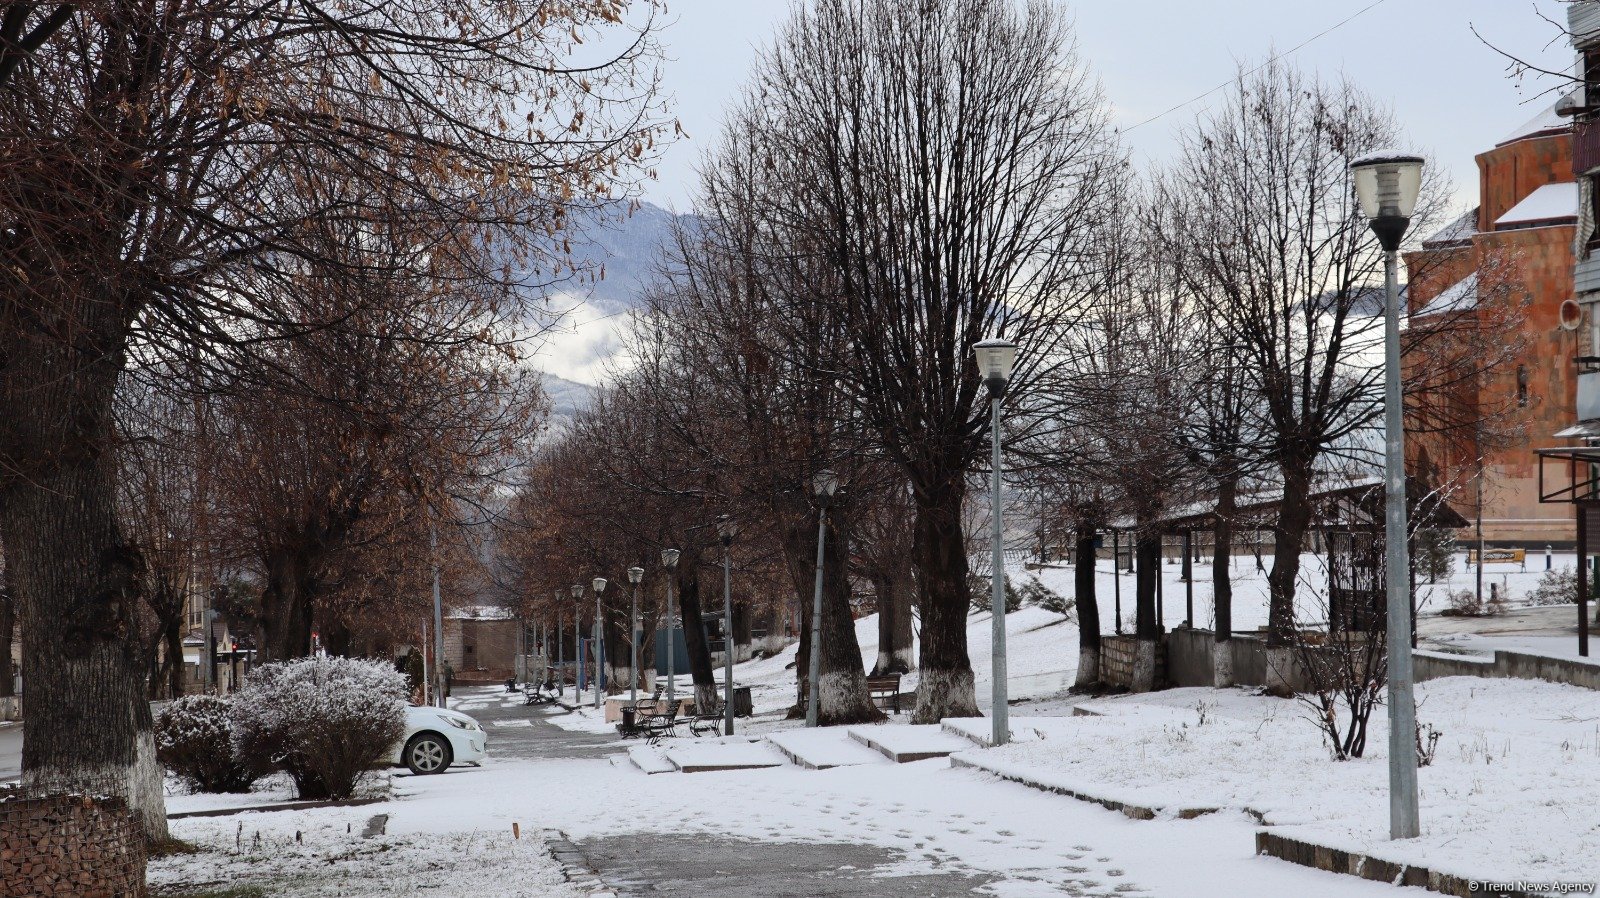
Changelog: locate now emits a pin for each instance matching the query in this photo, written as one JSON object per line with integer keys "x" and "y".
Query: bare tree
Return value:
{"x": 165, "y": 167}
{"x": 942, "y": 160}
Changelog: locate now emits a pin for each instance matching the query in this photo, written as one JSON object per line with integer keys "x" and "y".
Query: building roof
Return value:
{"x": 1546, "y": 122}
{"x": 1458, "y": 297}
{"x": 1458, "y": 231}
{"x": 1550, "y": 203}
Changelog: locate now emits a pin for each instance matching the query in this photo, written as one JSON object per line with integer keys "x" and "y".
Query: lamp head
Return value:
{"x": 577, "y": 590}
{"x": 599, "y": 585}
{"x": 635, "y": 574}
{"x": 824, "y": 485}
{"x": 996, "y": 357}
{"x": 726, "y": 530}
{"x": 669, "y": 558}
{"x": 1387, "y": 186}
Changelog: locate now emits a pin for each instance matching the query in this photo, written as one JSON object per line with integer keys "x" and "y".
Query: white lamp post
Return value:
{"x": 669, "y": 560}
{"x": 577, "y": 642}
{"x": 996, "y": 357}
{"x": 599, "y": 645}
{"x": 1387, "y": 185}
{"x": 635, "y": 574}
{"x": 726, "y": 531}
{"x": 824, "y": 484}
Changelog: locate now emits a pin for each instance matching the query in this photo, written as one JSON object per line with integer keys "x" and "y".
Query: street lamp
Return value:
{"x": 599, "y": 644}
{"x": 996, "y": 357}
{"x": 577, "y": 642}
{"x": 635, "y": 574}
{"x": 669, "y": 560}
{"x": 726, "y": 531}
{"x": 824, "y": 484}
{"x": 561, "y": 662}
{"x": 1387, "y": 185}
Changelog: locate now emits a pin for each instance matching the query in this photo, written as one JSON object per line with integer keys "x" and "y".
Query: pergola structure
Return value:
{"x": 1350, "y": 519}
{"x": 1580, "y": 488}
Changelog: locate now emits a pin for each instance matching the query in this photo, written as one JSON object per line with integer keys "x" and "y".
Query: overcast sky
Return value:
{"x": 1453, "y": 95}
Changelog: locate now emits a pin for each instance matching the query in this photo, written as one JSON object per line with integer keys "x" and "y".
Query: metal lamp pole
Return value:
{"x": 577, "y": 643}
{"x": 1387, "y": 185}
{"x": 669, "y": 560}
{"x": 635, "y": 574}
{"x": 823, "y": 487}
{"x": 599, "y": 645}
{"x": 995, "y": 359}
{"x": 438, "y": 621}
{"x": 727, "y": 529}
{"x": 561, "y": 648}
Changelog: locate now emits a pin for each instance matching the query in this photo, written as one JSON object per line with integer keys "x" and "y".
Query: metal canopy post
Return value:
{"x": 1583, "y": 579}
{"x": 1116, "y": 576}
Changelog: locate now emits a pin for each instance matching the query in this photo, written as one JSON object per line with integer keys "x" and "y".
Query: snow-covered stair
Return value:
{"x": 728, "y": 755}
{"x": 822, "y": 748}
{"x": 903, "y": 744}
{"x": 649, "y": 759}
{"x": 981, "y": 729}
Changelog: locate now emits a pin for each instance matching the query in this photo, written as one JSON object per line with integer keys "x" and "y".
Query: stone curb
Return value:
{"x": 1334, "y": 860}
{"x": 1134, "y": 811}
{"x": 282, "y": 806}
{"x": 576, "y": 868}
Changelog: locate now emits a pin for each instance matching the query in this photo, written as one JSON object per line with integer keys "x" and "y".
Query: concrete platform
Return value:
{"x": 710, "y": 757}
{"x": 649, "y": 759}
{"x": 903, "y": 744}
{"x": 823, "y": 748}
{"x": 981, "y": 729}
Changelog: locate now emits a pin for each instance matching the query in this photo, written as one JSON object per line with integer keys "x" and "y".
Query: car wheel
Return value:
{"x": 427, "y": 753}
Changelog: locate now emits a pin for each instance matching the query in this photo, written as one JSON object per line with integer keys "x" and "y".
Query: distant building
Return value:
{"x": 483, "y": 639}
{"x": 1516, "y": 247}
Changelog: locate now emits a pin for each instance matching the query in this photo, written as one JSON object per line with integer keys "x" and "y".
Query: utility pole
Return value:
{"x": 438, "y": 620}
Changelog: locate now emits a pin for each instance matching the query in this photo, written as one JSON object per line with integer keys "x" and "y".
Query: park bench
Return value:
{"x": 707, "y": 722}
{"x": 655, "y": 727}
{"x": 886, "y": 684}
{"x": 632, "y": 716}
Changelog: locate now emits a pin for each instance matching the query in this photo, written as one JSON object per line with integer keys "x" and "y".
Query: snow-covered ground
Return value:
{"x": 1501, "y": 799}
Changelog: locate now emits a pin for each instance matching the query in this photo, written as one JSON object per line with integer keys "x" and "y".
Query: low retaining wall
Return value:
{"x": 1189, "y": 659}
{"x": 70, "y": 846}
{"x": 1433, "y": 665}
{"x": 1116, "y": 661}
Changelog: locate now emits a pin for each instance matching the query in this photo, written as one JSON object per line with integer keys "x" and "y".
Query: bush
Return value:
{"x": 1464, "y": 603}
{"x": 325, "y": 720}
{"x": 1558, "y": 586}
{"x": 1034, "y": 592}
{"x": 195, "y": 741}
{"x": 979, "y": 586}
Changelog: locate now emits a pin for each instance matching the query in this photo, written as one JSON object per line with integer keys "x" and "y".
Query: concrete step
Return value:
{"x": 708, "y": 757}
{"x": 823, "y": 748}
{"x": 903, "y": 744}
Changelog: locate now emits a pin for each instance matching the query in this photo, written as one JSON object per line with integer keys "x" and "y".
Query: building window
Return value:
{"x": 1522, "y": 386}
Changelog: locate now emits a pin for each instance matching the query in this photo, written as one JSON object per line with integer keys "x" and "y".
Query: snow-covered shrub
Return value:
{"x": 1436, "y": 553}
{"x": 1558, "y": 586}
{"x": 324, "y": 720}
{"x": 1034, "y": 592}
{"x": 195, "y": 741}
{"x": 980, "y": 588}
{"x": 1464, "y": 603}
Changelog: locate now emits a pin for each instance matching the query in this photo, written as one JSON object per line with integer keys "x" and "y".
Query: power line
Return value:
{"x": 1270, "y": 60}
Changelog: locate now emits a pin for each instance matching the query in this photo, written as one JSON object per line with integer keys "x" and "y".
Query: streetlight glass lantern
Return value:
{"x": 599, "y": 585}
{"x": 669, "y": 558}
{"x": 1387, "y": 184}
{"x": 727, "y": 529}
{"x": 824, "y": 484}
{"x": 996, "y": 357}
{"x": 635, "y": 574}
{"x": 577, "y": 590}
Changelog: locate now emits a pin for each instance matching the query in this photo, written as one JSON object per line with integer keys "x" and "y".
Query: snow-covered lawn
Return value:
{"x": 1507, "y": 796}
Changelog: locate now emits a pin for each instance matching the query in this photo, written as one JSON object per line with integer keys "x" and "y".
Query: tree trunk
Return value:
{"x": 1147, "y": 630}
{"x": 8, "y": 622}
{"x": 946, "y": 687}
{"x": 88, "y": 726}
{"x": 286, "y": 611}
{"x": 175, "y": 665}
{"x": 1088, "y": 611}
{"x": 694, "y": 634}
{"x": 741, "y": 631}
{"x": 894, "y": 624}
{"x": 842, "y": 685}
{"x": 336, "y": 636}
{"x": 1222, "y": 585}
{"x": 1294, "y": 519}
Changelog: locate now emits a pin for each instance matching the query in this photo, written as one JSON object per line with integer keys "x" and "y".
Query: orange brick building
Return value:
{"x": 1510, "y": 260}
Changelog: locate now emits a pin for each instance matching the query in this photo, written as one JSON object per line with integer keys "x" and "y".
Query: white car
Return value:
{"x": 435, "y": 738}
